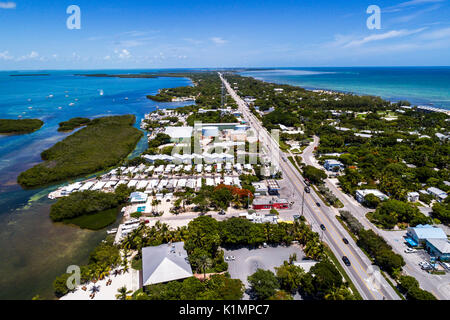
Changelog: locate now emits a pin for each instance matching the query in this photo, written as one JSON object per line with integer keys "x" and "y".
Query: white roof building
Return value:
{"x": 167, "y": 262}
{"x": 177, "y": 133}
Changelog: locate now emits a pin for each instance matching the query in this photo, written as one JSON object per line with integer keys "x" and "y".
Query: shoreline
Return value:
{"x": 311, "y": 88}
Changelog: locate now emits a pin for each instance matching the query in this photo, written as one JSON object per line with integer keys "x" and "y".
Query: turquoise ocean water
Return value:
{"x": 419, "y": 85}
{"x": 33, "y": 250}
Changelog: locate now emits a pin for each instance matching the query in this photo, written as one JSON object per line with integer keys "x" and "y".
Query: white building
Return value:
{"x": 437, "y": 193}
{"x": 361, "y": 194}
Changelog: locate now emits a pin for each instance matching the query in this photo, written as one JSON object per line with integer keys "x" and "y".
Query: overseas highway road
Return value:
{"x": 370, "y": 283}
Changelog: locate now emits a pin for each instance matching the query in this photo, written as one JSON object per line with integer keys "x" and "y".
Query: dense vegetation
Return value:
{"x": 211, "y": 117}
{"x": 322, "y": 282}
{"x": 206, "y": 89}
{"x": 73, "y": 123}
{"x": 89, "y": 209}
{"x": 101, "y": 260}
{"x": 392, "y": 212}
{"x": 374, "y": 245}
{"x": 104, "y": 142}
{"x": 217, "y": 287}
{"x": 442, "y": 211}
{"x": 20, "y": 126}
{"x": 412, "y": 290}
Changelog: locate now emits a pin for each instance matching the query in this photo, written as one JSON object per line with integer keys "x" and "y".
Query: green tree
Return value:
{"x": 263, "y": 283}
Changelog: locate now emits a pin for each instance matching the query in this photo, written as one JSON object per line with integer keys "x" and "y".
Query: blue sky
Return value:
{"x": 206, "y": 33}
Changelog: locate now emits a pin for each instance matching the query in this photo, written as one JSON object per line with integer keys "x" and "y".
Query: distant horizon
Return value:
{"x": 232, "y": 68}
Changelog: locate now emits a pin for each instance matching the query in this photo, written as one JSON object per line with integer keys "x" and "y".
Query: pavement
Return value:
{"x": 439, "y": 285}
{"x": 360, "y": 271}
{"x": 247, "y": 261}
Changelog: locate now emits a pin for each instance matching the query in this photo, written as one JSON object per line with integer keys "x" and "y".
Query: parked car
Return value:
{"x": 265, "y": 245}
{"x": 232, "y": 258}
{"x": 318, "y": 204}
{"x": 296, "y": 217}
{"x": 346, "y": 261}
{"x": 409, "y": 250}
{"x": 322, "y": 227}
{"x": 345, "y": 240}
{"x": 307, "y": 190}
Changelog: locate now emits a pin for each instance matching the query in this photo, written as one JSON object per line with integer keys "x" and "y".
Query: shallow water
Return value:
{"x": 34, "y": 250}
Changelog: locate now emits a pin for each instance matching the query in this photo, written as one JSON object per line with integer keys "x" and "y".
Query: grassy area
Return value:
{"x": 95, "y": 221}
{"x": 20, "y": 126}
{"x": 103, "y": 143}
{"x": 343, "y": 273}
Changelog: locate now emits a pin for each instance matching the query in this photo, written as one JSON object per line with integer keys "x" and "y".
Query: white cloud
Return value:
{"x": 5, "y": 56}
{"x": 123, "y": 54}
{"x": 31, "y": 55}
{"x": 218, "y": 40}
{"x": 408, "y": 4}
{"x": 436, "y": 34}
{"x": 383, "y": 36}
{"x": 7, "y": 5}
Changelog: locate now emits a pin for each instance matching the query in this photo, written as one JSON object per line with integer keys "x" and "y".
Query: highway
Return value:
{"x": 371, "y": 285}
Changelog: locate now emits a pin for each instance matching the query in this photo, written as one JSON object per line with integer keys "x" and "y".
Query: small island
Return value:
{"x": 12, "y": 126}
{"x": 73, "y": 124}
{"x": 105, "y": 142}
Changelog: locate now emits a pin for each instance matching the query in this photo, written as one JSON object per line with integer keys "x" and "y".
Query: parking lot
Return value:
{"x": 247, "y": 261}
{"x": 439, "y": 285}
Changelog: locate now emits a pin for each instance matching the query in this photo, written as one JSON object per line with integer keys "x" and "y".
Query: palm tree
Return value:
{"x": 203, "y": 263}
{"x": 125, "y": 266}
{"x": 123, "y": 293}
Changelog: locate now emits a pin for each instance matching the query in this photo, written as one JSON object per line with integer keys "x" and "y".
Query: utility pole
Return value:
{"x": 303, "y": 200}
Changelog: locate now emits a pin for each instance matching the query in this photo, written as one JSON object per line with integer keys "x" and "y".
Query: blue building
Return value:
{"x": 420, "y": 234}
{"x": 438, "y": 248}
{"x": 333, "y": 165}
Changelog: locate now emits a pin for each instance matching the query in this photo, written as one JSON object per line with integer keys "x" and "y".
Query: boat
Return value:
{"x": 29, "y": 99}
{"x": 59, "y": 108}
{"x": 126, "y": 98}
{"x": 50, "y": 96}
{"x": 111, "y": 231}
{"x": 30, "y": 108}
{"x": 67, "y": 95}
{"x": 101, "y": 92}
{"x": 71, "y": 104}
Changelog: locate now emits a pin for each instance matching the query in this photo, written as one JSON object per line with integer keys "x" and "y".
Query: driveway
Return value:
{"x": 249, "y": 260}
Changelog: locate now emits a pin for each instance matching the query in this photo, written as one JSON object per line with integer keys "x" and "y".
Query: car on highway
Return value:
{"x": 345, "y": 240}
{"x": 322, "y": 227}
{"x": 346, "y": 261}
{"x": 318, "y": 204}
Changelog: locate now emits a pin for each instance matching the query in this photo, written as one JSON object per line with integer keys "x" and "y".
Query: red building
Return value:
{"x": 262, "y": 203}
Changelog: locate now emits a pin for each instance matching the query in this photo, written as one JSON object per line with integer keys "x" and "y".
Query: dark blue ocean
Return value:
{"x": 419, "y": 85}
